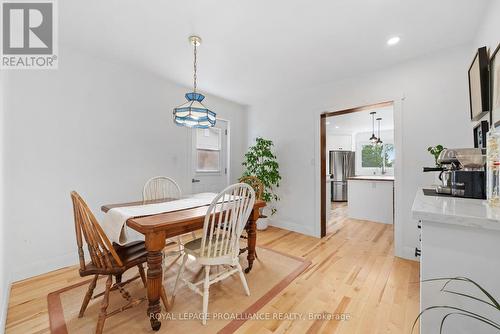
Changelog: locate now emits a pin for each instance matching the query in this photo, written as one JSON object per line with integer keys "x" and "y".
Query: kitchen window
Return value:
{"x": 377, "y": 156}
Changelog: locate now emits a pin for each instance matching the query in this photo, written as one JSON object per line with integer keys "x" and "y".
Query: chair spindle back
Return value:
{"x": 161, "y": 187}
{"x": 99, "y": 247}
{"x": 226, "y": 217}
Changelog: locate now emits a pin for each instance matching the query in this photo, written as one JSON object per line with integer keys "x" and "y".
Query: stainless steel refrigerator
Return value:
{"x": 341, "y": 168}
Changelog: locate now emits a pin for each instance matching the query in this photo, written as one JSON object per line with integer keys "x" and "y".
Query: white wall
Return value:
{"x": 362, "y": 138}
{"x": 94, "y": 126}
{"x": 4, "y": 282}
{"x": 431, "y": 105}
{"x": 488, "y": 36}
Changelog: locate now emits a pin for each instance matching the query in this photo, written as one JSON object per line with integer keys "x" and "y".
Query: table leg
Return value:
{"x": 252, "y": 238}
{"x": 155, "y": 242}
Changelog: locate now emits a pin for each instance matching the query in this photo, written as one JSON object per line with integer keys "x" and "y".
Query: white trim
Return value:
{"x": 317, "y": 170}
{"x": 409, "y": 254}
{"x": 228, "y": 149}
{"x": 398, "y": 171}
{"x": 4, "y": 303}
{"x": 398, "y": 178}
{"x": 299, "y": 228}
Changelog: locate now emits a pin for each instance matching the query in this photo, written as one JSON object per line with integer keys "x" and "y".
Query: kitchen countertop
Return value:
{"x": 373, "y": 177}
{"x": 456, "y": 211}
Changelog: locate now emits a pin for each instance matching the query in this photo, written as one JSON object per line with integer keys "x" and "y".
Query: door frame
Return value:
{"x": 322, "y": 151}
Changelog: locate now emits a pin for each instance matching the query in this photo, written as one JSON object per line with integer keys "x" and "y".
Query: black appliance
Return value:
{"x": 469, "y": 184}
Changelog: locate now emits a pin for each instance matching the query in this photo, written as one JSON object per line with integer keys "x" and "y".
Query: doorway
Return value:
{"x": 348, "y": 158}
{"x": 210, "y": 158}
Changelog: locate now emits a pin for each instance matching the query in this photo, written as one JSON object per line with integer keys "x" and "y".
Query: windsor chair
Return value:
{"x": 106, "y": 259}
{"x": 219, "y": 246}
{"x": 163, "y": 187}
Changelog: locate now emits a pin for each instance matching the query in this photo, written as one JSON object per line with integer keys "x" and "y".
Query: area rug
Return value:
{"x": 229, "y": 306}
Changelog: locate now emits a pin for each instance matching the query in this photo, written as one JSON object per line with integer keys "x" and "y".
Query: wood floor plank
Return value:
{"x": 353, "y": 273}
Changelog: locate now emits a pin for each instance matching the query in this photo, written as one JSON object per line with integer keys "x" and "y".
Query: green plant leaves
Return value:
{"x": 459, "y": 311}
{"x": 435, "y": 151}
{"x": 261, "y": 162}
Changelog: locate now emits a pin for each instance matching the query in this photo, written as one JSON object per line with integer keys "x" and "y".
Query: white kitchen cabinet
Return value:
{"x": 371, "y": 198}
{"x": 459, "y": 237}
{"x": 339, "y": 143}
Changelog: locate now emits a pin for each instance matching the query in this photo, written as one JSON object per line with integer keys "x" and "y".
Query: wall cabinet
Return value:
{"x": 339, "y": 142}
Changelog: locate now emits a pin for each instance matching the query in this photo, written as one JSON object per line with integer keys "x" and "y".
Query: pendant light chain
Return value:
{"x": 193, "y": 113}
{"x": 194, "y": 66}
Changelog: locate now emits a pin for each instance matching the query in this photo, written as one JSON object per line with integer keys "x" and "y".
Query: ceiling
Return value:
{"x": 252, "y": 49}
{"x": 360, "y": 121}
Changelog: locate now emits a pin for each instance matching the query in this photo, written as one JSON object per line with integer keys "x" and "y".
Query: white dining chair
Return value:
{"x": 219, "y": 246}
{"x": 163, "y": 187}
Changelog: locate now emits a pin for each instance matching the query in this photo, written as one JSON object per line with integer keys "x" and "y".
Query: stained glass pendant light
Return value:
{"x": 379, "y": 141}
{"x": 193, "y": 113}
{"x": 373, "y": 138}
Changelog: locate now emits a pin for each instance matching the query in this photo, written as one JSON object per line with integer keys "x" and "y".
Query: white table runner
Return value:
{"x": 114, "y": 223}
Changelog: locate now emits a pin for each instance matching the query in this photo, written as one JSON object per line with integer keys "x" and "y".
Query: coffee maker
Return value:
{"x": 462, "y": 173}
{"x": 448, "y": 162}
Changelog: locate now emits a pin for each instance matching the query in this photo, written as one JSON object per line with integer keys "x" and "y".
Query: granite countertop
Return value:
{"x": 373, "y": 177}
{"x": 456, "y": 211}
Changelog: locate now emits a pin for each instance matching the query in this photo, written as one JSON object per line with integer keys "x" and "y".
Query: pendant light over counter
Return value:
{"x": 379, "y": 140}
{"x": 373, "y": 138}
{"x": 193, "y": 114}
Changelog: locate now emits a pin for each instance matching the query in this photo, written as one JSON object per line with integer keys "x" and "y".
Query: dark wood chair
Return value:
{"x": 256, "y": 184}
{"x": 258, "y": 187}
{"x": 106, "y": 259}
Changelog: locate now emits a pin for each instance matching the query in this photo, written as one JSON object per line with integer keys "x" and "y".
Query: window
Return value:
{"x": 389, "y": 155}
{"x": 375, "y": 156}
{"x": 207, "y": 161}
{"x": 208, "y": 150}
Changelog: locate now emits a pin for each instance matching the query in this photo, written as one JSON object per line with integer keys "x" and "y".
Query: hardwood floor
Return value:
{"x": 338, "y": 216}
{"x": 353, "y": 272}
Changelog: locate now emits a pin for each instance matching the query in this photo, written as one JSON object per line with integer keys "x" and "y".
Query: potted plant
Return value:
{"x": 435, "y": 151}
{"x": 458, "y": 311}
{"x": 261, "y": 162}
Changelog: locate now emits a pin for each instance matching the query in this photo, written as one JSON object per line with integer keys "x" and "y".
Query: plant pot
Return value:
{"x": 262, "y": 223}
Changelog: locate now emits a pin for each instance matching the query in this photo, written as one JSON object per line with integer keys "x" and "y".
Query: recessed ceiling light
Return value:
{"x": 393, "y": 40}
{"x": 336, "y": 127}
{"x": 327, "y": 123}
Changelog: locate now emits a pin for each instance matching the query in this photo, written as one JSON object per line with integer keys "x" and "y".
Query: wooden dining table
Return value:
{"x": 157, "y": 228}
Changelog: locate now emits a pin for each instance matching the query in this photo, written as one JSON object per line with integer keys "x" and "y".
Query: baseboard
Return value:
{"x": 335, "y": 227}
{"x": 293, "y": 227}
{"x": 409, "y": 254}
{"x": 4, "y": 304}
{"x": 43, "y": 266}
